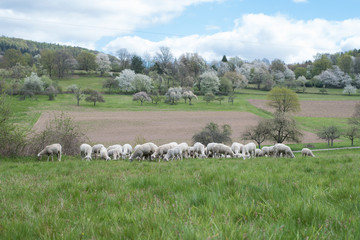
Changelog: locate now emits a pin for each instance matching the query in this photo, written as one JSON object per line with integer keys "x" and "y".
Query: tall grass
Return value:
{"x": 262, "y": 198}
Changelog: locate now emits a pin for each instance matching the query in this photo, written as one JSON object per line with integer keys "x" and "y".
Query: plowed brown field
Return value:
{"x": 157, "y": 126}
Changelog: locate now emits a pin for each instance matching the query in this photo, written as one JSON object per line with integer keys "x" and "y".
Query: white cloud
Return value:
{"x": 299, "y": 1}
{"x": 85, "y": 21}
{"x": 257, "y": 36}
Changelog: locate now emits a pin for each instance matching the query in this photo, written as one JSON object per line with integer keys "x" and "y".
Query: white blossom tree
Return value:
{"x": 209, "y": 81}
{"x": 32, "y": 85}
{"x": 348, "y": 89}
{"x": 126, "y": 80}
{"x": 173, "y": 95}
{"x": 334, "y": 77}
{"x": 103, "y": 62}
{"x": 142, "y": 83}
{"x": 141, "y": 96}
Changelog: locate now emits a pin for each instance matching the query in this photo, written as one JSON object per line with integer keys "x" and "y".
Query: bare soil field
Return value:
{"x": 156, "y": 126}
{"x": 316, "y": 108}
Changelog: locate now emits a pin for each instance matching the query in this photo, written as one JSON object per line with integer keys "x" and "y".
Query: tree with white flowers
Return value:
{"x": 173, "y": 95}
{"x": 209, "y": 82}
{"x": 349, "y": 90}
{"x": 103, "y": 62}
{"x": 126, "y": 80}
{"x": 142, "y": 83}
{"x": 334, "y": 77}
{"x": 32, "y": 85}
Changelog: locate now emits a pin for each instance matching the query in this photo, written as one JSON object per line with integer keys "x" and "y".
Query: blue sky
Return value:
{"x": 291, "y": 30}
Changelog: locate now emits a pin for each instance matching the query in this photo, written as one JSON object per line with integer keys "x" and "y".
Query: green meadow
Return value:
{"x": 261, "y": 198}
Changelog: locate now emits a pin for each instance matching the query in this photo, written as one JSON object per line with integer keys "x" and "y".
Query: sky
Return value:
{"x": 291, "y": 30}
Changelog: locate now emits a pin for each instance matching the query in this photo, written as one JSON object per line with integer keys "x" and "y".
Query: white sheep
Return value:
{"x": 184, "y": 149}
{"x": 162, "y": 150}
{"x": 198, "y": 150}
{"x": 126, "y": 150}
{"x": 115, "y": 153}
{"x": 114, "y": 146}
{"x": 85, "y": 151}
{"x": 250, "y": 149}
{"x": 307, "y": 153}
{"x": 144, "y": 150}
{"x": 268, "y": 151}
{"x": 51, "y": 150}
{"x": 172, "y": 153}
{"x": 259, "y": 153}
{"x": 222, "y": 149}
{"x": 209, "y": 149}
{"x": 237, "y": 148}
{"x": 104, "y": 154}
{"x": 96, "y": 149}
{"x": 283, "y": 150}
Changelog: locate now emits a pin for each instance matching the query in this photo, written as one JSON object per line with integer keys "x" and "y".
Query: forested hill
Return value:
{"x": 34, "y": 48}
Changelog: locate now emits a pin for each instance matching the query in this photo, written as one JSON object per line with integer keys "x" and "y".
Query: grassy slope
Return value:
{"x": 261, "y": 198}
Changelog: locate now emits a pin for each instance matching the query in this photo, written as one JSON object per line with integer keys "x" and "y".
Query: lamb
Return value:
{"x": 172, "y": 153}
{"x": 85, "y": 151}
{"x": 282, "y": 149}
{"x": 51, "y": 150}
{"x": 115, "y": 153}
{"x": 104, "y": 153}
{"x": 307, "y": 153}
{"x": 144, "y": 150}
{"x": 126, "y": 150}
{"x": 96, "y": 149}
{"x": 250, "y": 149}
{"x": 268, "y": 151}
{"x": 222, "y": 149}
{"x": 259, "y": 153}
{"x": 162, "y": 150}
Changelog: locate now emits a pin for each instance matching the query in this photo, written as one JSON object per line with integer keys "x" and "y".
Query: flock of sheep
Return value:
{"x": 173, "y": 150}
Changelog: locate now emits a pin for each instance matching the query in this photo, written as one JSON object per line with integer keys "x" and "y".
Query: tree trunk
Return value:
{"x": 332, "y": 141}
{"x": 94, "y": 103}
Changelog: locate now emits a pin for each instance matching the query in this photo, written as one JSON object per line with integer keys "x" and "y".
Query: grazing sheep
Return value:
{"x": 126, "y": 150}
{"x": 114, "y": 146}
{"x": 115, "y": 153}
{"x": 220, "y": 149}
{"x": 209, "y": 151}
{"x": 104, "y": 154}
{"x": 237, "y": 148}
{"x": 172, "y": 153}
{"x": 307, "y": 153}
{"x": 85, "y": 151}
{"x": 250, "y": 149}
{"x": 282, "y": 149}
{"x": 144, "y": 150}
{"x": 199, "y": 150}
{"x": 162, "y": 150}
{"x": 51, "y": 150}
{"x": 96, "y": 149}
{"x": 268, "y": 151}
{"x": 259, "y": 153}
{"x": 184, "y": 149}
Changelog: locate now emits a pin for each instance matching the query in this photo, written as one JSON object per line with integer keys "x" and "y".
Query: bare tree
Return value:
{"x": 329, "y": 133}
{"x": 258, "y": 133}
{"x": 283, "y": 128}
{"x": 351, "y": 133}
{"x": 94, "y": 97}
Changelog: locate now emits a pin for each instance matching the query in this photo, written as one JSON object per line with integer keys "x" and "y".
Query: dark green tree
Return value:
{"x": 212, "y": 133}
{"x": 137, "y": 64}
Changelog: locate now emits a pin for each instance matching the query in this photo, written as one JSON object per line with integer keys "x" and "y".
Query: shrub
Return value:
{"x": 60, "y": 129}
{"x": 212, "y": 133}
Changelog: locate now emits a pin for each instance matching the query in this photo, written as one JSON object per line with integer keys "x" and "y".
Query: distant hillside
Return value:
{"x": 34, "y": 48}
